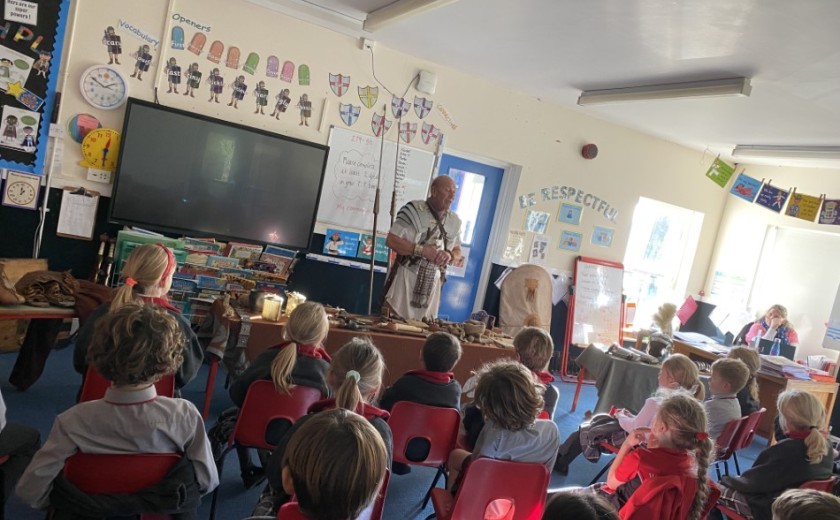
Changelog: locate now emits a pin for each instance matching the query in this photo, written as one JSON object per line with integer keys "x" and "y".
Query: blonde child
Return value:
{"x": 804, "y": 455}
{"x": 677, "y": 373}
{"x": 574, "y": 506}
{"x": 299, "y": 360}
{"x": 334, "y": 465}
{"x": 677, "y": 444}
{"x": 355, "y": 377}
{"x": 147, "y": 277}
{"x": 133, "y": 347}
{"x": 810, "y": 504}
{"x": 748, "y": 396}
{"x": 510, "y": 398}
{"x": 729, "y": 376}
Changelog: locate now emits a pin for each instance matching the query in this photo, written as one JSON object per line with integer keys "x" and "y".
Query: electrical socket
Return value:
{"x": 97, "y": 175}
{"x": 367, "y": 43}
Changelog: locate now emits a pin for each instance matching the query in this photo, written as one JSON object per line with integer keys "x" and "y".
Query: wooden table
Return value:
{"x": 43, "y": 329}
{"x": 401, "y": 352}
{"x": 769, "y": 387}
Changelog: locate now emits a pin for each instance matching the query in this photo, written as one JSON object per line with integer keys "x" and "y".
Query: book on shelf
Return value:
{"x": 243, "y": 251}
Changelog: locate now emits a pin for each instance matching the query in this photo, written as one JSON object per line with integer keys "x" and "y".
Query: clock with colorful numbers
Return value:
{"x": 104, "y": 87}
{"x": 99, "y": 149}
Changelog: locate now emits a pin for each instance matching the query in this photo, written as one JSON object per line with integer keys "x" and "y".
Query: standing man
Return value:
{"x": 426, "y": 236}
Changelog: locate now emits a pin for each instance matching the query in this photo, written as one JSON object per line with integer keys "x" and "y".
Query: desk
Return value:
{"x": 401, "y": 352}
{"x": 620, "y": 383}
{"x": 769, "y": 387}
{"x": 43, "y": 329}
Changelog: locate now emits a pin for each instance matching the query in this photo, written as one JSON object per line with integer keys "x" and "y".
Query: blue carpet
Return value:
{"x": 56, "y": 391}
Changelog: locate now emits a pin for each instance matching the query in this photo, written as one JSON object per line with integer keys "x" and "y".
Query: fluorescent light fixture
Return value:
{"x": 400, "y": 10}
{"x": 787, "y": 152}
{"x": 705, "y": 88}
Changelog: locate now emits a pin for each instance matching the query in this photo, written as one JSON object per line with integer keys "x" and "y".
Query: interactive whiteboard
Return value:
{"x": 350, "y": 179}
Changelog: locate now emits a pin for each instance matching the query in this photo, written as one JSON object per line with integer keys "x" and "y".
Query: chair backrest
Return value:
{"x": 291, "y": 510}
{"x": 106, "y": 473}
{"x": 668, "y": 497}
{"x": 438, "y": 426}
{"x": 714, "y": 495}
{"x": 487, "y": 480}
{"x": 727, "y": 441}
{"x": 95, "y": 386}
{"x": 263, "y": 404}
{"x": 747, "y": 433}
{"x": 820, "y": 485}
{"x": 741, "y": 338}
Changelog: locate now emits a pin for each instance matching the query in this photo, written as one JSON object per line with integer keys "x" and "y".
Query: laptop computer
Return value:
{"x": 786, "y": 349}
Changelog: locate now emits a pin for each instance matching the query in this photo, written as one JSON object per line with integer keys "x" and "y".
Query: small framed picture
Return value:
{"x": 602, "y": 236}
{"x": 570, "y": 214}
{"x": 570, "y": 241}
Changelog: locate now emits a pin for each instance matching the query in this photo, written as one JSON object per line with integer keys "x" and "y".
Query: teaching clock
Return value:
{"x": 104, "y": 87}
{"x": 21, "y": 190}
{"x": 99, "y": 149}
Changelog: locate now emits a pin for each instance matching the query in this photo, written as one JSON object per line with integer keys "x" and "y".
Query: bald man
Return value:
{"x": 426, "y": 236}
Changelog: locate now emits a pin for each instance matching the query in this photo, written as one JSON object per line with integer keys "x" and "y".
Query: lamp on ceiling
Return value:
{"x": 400, "y": 10}
{"x": 704, "y": 88}
{"x": 787, "y": 152}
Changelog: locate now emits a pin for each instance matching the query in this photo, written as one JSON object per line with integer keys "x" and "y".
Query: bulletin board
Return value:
{"x": 30, "y": 53}
{"x": 349, "y": 187}
{"x": 595, "y": 308}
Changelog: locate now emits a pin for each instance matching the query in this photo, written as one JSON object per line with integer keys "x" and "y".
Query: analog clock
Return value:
{"x": 21, "y": 190}
{"x": 99, "y": 149}
{"x": 104, "y": 87}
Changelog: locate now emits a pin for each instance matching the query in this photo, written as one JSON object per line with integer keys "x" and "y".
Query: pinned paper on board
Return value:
{"x": 803, "y": 206}
{"x": 537, "y": 221}
{"x": 602, "y": 236}
{"x": 745, "y": 187}
{"x": 830, "y": 212}
{"x": 570, "y": 241}
{"x": 77, "y": 215}
{"x": 570, "y": 214}
{"x": 720, "y": 172}
{"x": 515, "y": 245}
{"x": 772, "y": 198}
{"x": 539, "y": 249}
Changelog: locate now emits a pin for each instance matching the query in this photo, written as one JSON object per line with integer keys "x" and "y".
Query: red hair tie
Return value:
{"x": 131, "y": 282}
{"x": 170, "y": 261}
{"x": 701, "y": 436}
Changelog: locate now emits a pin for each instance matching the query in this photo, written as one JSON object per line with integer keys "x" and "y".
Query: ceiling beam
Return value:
{"x": 400, "y": 10}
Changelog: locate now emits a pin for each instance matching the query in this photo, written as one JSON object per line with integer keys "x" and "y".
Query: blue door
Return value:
{"x": 478, "y": 188}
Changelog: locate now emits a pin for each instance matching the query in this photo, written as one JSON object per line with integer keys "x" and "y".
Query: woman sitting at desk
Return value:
{"x": 774, "y": 325}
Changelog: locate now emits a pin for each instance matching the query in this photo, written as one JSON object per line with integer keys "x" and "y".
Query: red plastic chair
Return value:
{"x": 668, "y": 497}
{"x": 438, "y": 426}
{"x": 262, "y": 405}
{"x": 95, "y": 386}
{"x": 485, "y": 480}
{"x": 99, "y": 474}
{"x": 820, "y": 485}
{"x": 714, "y": 495}
{"x": 291, "y": 511}
{"x": 747, "y": 434}
{"x": 727, "y": 443}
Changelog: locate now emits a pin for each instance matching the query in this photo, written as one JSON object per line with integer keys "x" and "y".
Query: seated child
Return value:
{"x": 510, "y": 398}
{"x": 334, "y": 465}
{"x": 729, "y": 376}
{"x": 434, "y": 386}
{"x": 299, "y": 360}
{"x": 572, "y": 506}
{"x": 133, "y": 347}
{"x": 810, "y": 504}
{"x": 748, "y": 396}
{"x": 19, "y": 442}
{"x": 677, "y": 444}
{"x": 534, "y": 348}
{"x": 804, "y": 455}
{"x": 677, "y": 372}
{"x": 355, "y": 376}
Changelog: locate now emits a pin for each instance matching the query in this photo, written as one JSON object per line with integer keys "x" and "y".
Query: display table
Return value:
{"x": 401, "y": 352}
{"x": 620, "y": 383}
{"x": 769, "y": 386}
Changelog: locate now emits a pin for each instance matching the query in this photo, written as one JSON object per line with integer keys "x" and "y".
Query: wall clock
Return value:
{"x": 99, "y": 149}
{"x": 21, "y": 190}
{"x": 104, "y": 87}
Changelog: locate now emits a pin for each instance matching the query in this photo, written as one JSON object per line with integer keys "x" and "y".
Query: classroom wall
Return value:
{"x": 492, "y": 122}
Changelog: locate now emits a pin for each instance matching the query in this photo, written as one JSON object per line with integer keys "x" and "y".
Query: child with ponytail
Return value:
{"x": 748, "y": 396}
{"x": 804, "y": 455}
{"x": 147, "y": 278}
{"x": 299, "y": 360}
{"x": 355, "y": 376}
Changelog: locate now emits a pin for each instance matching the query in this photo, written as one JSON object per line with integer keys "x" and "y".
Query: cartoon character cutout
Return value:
{"x": 239, "y": 88}
{"x": 305, "y": 107}
{"x": 173, "y": 75}
{"x": 10, "y": 130}
{"x": 335, "y": 243}
{"x": 5, "y": 68}
{"x": 43, "y": 64}
{"x": 28, "y": 142}
{"x": 193, "y": 79}
{"x": 261, "y": 93}
{"x": 217, "y": 84}
{"x": 113, "y": 43}
{"x": 282, "y": 103}
{"x": 144, "y": 60}
{"x": 778, "y": 199}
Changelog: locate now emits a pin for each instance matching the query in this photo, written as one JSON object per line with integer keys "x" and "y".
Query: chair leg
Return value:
{"x": 208, "y": 389}
{"x": 735, "y": 458}
{"x": 581, "y": 376}
{"x": 441, "y": 471}
{"x": 219, "y": 467}
{"x": 726, "y": 468}
{"x": 601, "y": 473}
{"x": 717, "y": 470}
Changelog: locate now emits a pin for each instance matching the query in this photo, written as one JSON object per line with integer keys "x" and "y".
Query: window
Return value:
{"x": 470, "y": 187}
{"x": 660, "y": 251}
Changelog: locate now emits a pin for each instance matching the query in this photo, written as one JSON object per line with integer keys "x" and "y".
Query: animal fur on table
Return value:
{"x": 664, "y": 318}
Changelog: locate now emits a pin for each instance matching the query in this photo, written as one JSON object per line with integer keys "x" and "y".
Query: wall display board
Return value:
{"x": 349, "y": 186}
{"x": 595, "y": 306}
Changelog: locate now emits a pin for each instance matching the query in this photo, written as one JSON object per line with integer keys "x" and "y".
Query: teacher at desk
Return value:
{"x": 773, "y": 325}
{"x": 426, "y": 236}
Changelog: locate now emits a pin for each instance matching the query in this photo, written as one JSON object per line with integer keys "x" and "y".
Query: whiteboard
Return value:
{"x": 350, "y": 179}
{"x": 832, "y": 331}
{"x": 597, "y": 304}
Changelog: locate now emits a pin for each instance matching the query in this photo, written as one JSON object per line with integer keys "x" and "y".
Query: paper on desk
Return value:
{"x": 693, "y": 337}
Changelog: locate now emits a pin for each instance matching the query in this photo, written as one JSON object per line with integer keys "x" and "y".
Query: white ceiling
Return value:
{"x": 553, "y": 49}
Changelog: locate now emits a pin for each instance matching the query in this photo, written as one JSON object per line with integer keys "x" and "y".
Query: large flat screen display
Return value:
{"x": 182, "y": 172}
